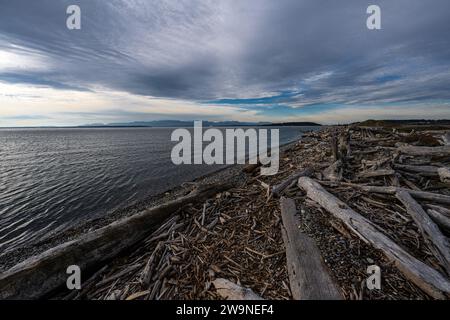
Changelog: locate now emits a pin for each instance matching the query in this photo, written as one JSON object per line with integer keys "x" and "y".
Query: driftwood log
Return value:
{"x": 423, "y": 195}
{"x": 441, "y": 220}
{"x": 438, "y": 243}
{"x": 375, "y": 173}
{"x": 40, "y": 275}
{"x": 308, "y": 275}
{"x": 442, "y": 210}
{"x": 425, "y": 277}
{"x": 429, "y": 171}
{"x": 425, "y": 151}
{"x": 231, "y": 291}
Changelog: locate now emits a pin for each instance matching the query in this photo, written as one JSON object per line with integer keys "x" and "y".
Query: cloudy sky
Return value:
{"x": 249, "y": 60}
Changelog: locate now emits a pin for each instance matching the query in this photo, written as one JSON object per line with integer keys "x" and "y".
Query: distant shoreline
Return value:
{"x": 224, "y": 124}
{"x": 143, "y": 126}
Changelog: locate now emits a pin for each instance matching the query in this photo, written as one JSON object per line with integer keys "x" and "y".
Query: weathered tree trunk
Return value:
{"x": 438, "y": 243}
{"x": 231, "y": 291}
{"x": 425, "y": 277}
{"x": 40, "y": 275}
{"x": 308, "y": 276}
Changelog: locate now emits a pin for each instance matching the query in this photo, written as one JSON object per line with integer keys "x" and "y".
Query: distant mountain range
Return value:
{"x": 187, "y": 124}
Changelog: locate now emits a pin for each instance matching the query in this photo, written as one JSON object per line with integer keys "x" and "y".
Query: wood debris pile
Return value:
{"x": 366, "y": 196}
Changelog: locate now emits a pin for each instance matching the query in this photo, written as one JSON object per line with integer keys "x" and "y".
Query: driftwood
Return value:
{"x": 308, "y": 275}
{"x": 444, "y": 174}
{"x": 442, "y": 210}
{"x": 423, "y": 195}
{"x": 375, "y": 163}
{"x": 251, "y": 167}
{"x": 441, "y": 220}
{"x": 279, "y": 188}
{"x": 231, "y": 291}
{"x": 430, "y": 171}
{"x": 334, "y": 171}
{"x": 334, "y": 147}
{"x": 344, "y": 144}
{"x": 375, "y": 173}
{"x": 39, "y": 275}
{"x": 425, "y": 151}
{"x": 430, "y": 231}
{"x": 425, "y": 277}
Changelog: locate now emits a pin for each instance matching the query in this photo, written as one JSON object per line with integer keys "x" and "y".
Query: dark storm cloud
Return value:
{"x": 216, "y": 50}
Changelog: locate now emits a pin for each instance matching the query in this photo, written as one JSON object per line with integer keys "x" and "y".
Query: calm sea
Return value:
{"x": 51, "y": 179}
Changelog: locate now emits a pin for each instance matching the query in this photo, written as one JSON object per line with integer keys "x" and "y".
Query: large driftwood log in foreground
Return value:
{"x": 38, "y": 276}
{"x": 278, "y": 189}
{"x": 425, "y": 151}
{"x": 308, "y": 275}
{"x": 423, "y": 195}
{"x": 231, "y": 291}
{"x": 438, "y": 243}
{"x": 425, "y": 277}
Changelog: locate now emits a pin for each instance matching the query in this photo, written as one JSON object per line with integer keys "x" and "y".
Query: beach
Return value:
{"x": 240, "y": 234}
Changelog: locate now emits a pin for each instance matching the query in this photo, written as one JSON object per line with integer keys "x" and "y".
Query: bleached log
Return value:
{"x": 231, "y": 291}
{"x": 424, "y": 151}
{"x": 279, "y": 188}
{"x": 425, "y": 277}
{"x": 40, "y": 275}
{"x": 308, "y": 275}
{"x": 438, "y": 243}
{"x": 423, "y": 195}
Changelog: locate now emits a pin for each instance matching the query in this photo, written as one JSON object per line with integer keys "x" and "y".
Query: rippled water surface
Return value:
{"x": 51, "y": 179}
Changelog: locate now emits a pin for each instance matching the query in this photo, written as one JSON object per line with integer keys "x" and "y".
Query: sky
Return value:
{"x": 247, "y": 60}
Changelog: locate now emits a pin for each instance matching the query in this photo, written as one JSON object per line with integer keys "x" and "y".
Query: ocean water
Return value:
{"x": 52, "y": 179}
